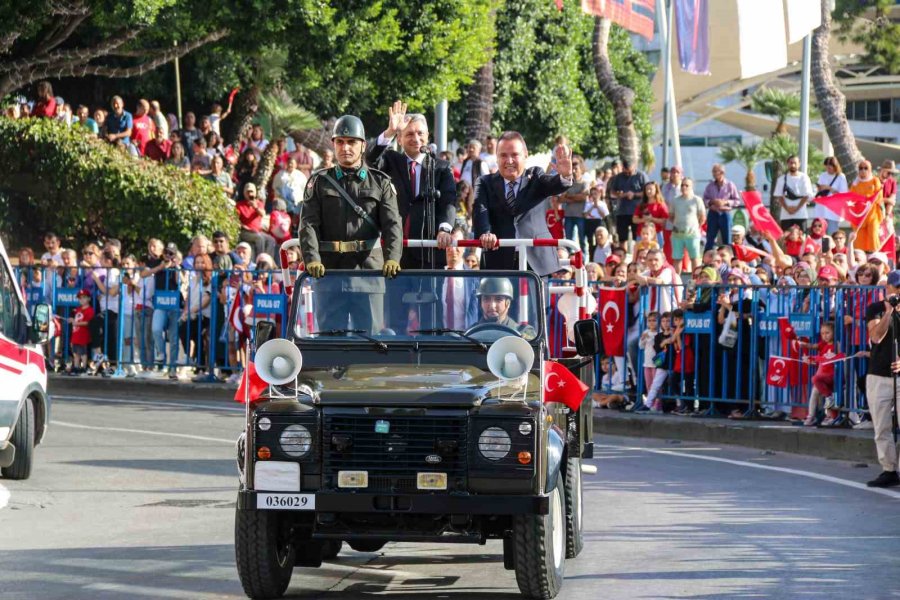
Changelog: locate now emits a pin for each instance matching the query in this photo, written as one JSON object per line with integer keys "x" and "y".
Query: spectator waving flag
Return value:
{"x": 561, "y": 385}
{"x": 887, "y": 239}
{"x": 851, "y": 206}
{"x": 760, "y": 215}
{"x": 612, "y": 320}
{"x": 634, "y": 15}
{"x": 746, "y": 253}
{"x": 777, "y": 372}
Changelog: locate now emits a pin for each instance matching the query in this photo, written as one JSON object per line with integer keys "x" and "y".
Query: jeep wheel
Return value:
{"x": 264, "y": 554}
{"x": 574, "y": 509}
{"x": 540, "y": 548}
{"x": 367, "y": 545}
{"x": 331, "y": 549}
{"x": 23, "y": 439}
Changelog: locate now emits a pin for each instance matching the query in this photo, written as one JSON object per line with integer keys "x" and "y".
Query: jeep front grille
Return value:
{"x": 393, "y": 448}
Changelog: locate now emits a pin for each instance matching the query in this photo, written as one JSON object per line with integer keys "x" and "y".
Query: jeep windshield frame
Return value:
{"x": 419, "y": 287}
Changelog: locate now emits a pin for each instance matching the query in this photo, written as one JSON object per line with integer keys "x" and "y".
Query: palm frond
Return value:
{"x": 284, "y": 113}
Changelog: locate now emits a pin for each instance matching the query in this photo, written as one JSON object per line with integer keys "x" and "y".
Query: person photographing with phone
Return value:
{"x": 883, "y": 325}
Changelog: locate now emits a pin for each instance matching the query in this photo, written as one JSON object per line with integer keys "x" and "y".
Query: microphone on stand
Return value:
{"x": 426, "y": 149}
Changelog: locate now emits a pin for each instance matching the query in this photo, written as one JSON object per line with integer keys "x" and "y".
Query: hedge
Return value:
{"x": 64, "y": 179}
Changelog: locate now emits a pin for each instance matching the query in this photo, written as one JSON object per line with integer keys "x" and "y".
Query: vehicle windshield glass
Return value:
{"x": 416, "y": 305}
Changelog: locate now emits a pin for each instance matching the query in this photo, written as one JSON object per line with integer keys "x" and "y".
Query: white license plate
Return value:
{"x": 285, "y": 501}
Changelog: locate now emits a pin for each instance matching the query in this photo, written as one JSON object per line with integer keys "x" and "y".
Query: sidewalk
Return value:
{"x": 782, "y": 436}
{"x": 837, "y": 444}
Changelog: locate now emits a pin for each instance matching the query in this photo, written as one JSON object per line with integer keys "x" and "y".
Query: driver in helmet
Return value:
{"x": 495, "y": 295}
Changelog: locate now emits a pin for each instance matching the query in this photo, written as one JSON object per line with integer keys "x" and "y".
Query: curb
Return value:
{"x": 123, "y": 388}
{"x": 834, "y": 444}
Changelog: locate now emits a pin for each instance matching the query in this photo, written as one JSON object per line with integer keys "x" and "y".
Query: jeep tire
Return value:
{"x": 263, "y": 552}
{"x": 23, "y": 440}
{"x": 574, "y": 509}
{"x": 367, "y": 545}
{"x": 331, "y": 549}
{"x": 540, "y": 548}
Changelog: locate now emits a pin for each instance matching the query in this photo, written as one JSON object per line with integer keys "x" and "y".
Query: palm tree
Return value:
{"x": 620, "y": 96}
{"x": 747, "y": 155}
{"x": 480, "y": 103}
{"x": 776, "y": 103}
{"x": 286, "y": 117}
{"x": 831, "y": 100}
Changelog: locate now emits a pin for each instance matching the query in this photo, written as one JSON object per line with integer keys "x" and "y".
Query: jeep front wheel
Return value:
{"x": 540, "y": 548}
{"x": 263, "y": 552}
{"x": 23, "y": 440}
{"x": 574, "y": 509}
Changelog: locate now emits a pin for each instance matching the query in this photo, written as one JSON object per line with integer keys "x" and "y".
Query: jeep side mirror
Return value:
{"x": 265, "y": 331}
{"x": 587, "y": 337}
{"x": 40, "y": 324}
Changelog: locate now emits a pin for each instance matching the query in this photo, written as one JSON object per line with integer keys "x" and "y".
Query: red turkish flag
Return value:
{"x": 851, "y": 206}
{"x": 555, "y": 223}
{"x": 809, "y": 246}
{"x": 612, "y": 320}
{"x": 777, "y": 372}
{"x": 251, "y": 378}
{"x": 748, "y": 253}
{"x": 888, "y": 240}
{"x": 561, "y": 385}
{"x": 790, "y": 348}
{"x": 760, "y": 215}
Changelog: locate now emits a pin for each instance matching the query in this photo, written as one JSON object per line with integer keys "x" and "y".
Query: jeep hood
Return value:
{"x": 436, "y": 385}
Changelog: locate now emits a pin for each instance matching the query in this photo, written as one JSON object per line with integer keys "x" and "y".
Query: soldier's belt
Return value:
{"x": 351, "y": 246}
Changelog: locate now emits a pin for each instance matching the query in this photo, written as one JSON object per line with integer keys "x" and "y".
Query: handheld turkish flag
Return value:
{"x": 561, "y": 385}
{"x": 777, "y": 372}
{"x": 851, "y": 206}
{"x": 790, "y": 348}
{"x": 555, "y": 223}
{"x": 760, "y": 215}
{"x": 250, "y": 379}
{"x": 748, "y": 253}
{"x": 888, "y": 240}
{"x": 612, "y": 320}
{"x": 809, "y": 246}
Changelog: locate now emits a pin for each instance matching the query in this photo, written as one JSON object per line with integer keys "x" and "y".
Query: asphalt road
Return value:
{"x": 135, "y": 499}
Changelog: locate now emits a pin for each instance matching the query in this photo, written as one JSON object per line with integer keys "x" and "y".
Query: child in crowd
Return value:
{"x": 81, "y": 334}
{"x": 647, "y": 241}
{"x": 662, "y": 342}
{"x": 682, "y": 362}
{"x": 793, "y": 242}
{"x": 280, "y": 222}
{"x": 647, "y": 343}
{"x": 823, "y": 380}
{"x": 612, "y": 386}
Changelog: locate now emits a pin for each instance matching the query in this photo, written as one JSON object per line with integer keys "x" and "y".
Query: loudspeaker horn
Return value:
{"x": 567, "y": 305}
{"x": 278, "y": 361}
{"x": 510, "y": 358}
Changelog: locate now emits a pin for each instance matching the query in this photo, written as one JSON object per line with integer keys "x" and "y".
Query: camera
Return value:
{"x": 894, "y": 301}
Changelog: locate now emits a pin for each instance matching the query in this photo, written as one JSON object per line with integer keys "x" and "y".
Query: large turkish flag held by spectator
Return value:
{"x": 612, "y": 320}
{"x": 851, "y": 206}
{"x": 760, "y": 215}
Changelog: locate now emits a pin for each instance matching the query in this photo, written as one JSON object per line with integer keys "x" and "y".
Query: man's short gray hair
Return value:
{"x": 417, "y": 118}
{"x": 474, "y": 142}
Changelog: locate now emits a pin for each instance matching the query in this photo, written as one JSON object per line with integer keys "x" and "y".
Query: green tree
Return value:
{"x": 869, "y": 24}
{"x": 747, "y": 155}
{"x": 776, "y": 103}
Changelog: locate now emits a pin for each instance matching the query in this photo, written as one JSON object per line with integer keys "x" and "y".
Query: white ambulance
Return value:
{"x": 24, "y": 402}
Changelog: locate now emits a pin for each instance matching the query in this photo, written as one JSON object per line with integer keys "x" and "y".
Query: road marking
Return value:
{"x": 160, "y": 403}
{"x": 740, "y": 463}
{"x": 143, "y": 432}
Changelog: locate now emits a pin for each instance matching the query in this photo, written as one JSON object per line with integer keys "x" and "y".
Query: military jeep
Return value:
{"x": 400, "y": 427}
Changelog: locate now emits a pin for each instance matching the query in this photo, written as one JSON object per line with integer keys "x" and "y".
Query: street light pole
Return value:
{"x": 804, "y": 102}
{"x": 178, "y": 87}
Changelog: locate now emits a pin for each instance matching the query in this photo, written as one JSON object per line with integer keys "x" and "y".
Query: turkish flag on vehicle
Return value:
{"x": 561, "y": 385}
{"x": 777, "y": 372}
{"x": 256, "y": 385}
{"x": 612, "y": 320}
{"x": 851, "y": 206}
{"x": 760, "y": 215}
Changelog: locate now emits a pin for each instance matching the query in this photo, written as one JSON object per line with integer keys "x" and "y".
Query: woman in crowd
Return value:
{"x": 831, "y": 181}
{"x": 735, "y": 315}
{"x": 867, "y": 184}
{"x": 652, "y": 210}
{"x": 177, "y": 157}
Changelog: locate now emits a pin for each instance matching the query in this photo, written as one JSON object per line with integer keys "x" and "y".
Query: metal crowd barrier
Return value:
{"x": 153, "y": 328}
{"x": 723, "y": 379}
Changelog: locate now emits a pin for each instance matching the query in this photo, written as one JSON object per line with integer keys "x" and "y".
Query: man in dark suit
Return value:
{"x": 513, "y": 203}
{"x": 408, "y": 171}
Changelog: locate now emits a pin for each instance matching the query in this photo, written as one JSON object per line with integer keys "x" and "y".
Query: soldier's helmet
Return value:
{"x": 495, "y": 286}
{"x": 349, "y": 126}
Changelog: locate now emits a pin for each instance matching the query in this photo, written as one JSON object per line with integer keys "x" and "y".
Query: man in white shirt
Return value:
{"x": 289, "y": 185}
{"x": 665, "y": 293}
{"x": 489, "y": 156}
{"x": 472, "y": 166}
{"x": 53, "y": 249}
{"x": 793, "y": 191}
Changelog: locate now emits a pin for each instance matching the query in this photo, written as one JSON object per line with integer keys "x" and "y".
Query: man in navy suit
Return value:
{"x": 513, "y": 203}
{"x": 408, "y": 170}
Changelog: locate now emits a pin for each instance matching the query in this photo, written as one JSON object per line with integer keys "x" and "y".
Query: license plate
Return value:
{"x": 286, "y": 501}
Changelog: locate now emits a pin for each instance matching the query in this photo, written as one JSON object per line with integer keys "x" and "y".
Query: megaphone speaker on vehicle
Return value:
{"x": 510, "y": 358}
{"x": 278, "y": 361}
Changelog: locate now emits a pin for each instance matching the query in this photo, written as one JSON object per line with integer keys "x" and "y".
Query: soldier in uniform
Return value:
{"x": 349, "y": 210}
{"x": 495, "y": 294}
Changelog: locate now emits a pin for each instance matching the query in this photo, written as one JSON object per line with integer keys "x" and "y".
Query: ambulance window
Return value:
{"x": 10, "y": 307}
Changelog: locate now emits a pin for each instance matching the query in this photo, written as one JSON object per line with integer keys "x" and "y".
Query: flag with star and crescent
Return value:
{"x": 613, "y": 320}
{"x": 561, "y": 385}
{"x": 760, "y": 215}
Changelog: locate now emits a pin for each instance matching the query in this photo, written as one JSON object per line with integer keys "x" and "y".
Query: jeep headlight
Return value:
{"x": 295, "y": 441}
{"x": 494, "y": 443}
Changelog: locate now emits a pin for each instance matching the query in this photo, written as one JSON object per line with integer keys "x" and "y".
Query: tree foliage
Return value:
{"x": 868, "y": 23}
{"x": 747, "y": 155}
{"x": 65, "y": 179}
{"x": 545, "y": 81}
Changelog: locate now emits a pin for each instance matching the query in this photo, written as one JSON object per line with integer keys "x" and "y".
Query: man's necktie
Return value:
{"x": 451, "y": 304}
{"x": 412, "y": 186}
{"x": 510, "y": 194}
